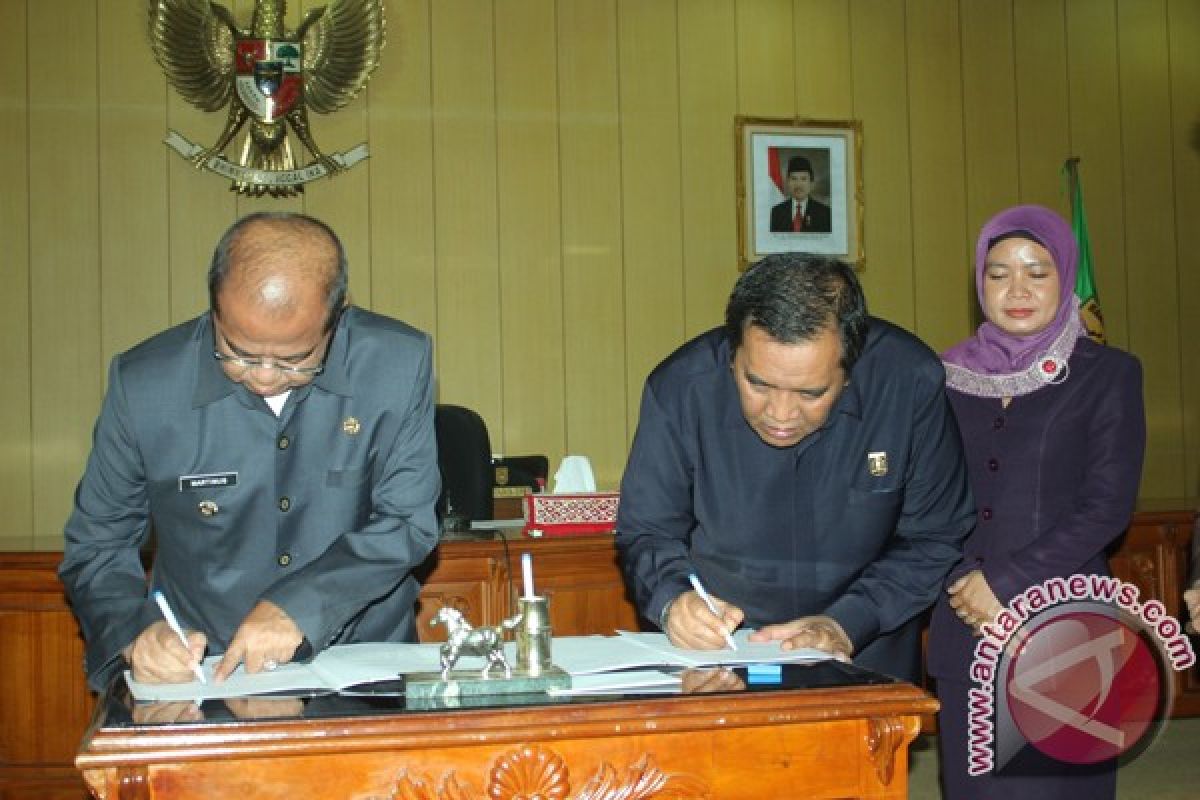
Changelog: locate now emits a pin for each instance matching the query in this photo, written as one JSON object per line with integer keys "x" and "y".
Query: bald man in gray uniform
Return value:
{"x": 281, "y": 447}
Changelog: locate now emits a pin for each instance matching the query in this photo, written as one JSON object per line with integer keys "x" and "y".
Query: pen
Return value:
{"x": 173, "y": 624}
{"x": 708, "y": 601}
{"x": 527, "y": 574}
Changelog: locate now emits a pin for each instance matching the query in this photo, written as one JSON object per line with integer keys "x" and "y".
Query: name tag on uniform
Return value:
{"x": 212, "y": 480}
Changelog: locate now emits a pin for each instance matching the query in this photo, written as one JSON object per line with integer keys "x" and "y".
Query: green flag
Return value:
{"x": 1085, "y": 279}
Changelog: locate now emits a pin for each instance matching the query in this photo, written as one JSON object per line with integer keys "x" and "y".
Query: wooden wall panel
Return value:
{"x": 650, "y": 189}
{"x": 400, "y": 199}
{"x": 823, "y": 69}
{"x": 593, "y": 288}
{"x": 1095, "y": 122}
{"x": 16, "y": 453}
{"x": 881, "y": 102}
{"x": 550, "y": 193}
{"x": 943, "y": 287}
{"x": 41, "y": 668}
{"x": 766, "y": 56}
{"x": 707, "y": 106}
{"x": 1148, "y": 178}
{"x": 464, "y": 159}
{"x": 133, "y": 233}
{"x": 989, "y": 111}
{"x": 64, "y": 252}
{"x": 531, "y": 262}
{"x": 1042, "y": 124}
{"x": 1183, "y": 25}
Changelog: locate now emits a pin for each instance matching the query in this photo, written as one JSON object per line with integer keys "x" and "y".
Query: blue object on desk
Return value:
{"x": 764, "y": 673}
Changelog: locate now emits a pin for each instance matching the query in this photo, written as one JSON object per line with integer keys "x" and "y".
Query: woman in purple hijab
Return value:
{"x": 1054, "y": 431}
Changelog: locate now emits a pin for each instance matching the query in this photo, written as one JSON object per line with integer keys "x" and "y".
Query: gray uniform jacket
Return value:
{"x": 323, "y": 510}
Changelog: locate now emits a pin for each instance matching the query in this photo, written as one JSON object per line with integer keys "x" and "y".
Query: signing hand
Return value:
{"x": 820, "y": 632}
{"x": 973, "y": 600}
{"x": 157, "y": 655}
{"x": 691, "y": 625}
{"x": 1192, "y": 598}
{"x": 266, "y": 638}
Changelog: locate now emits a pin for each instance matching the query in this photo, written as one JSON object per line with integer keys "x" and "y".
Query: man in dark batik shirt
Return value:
{"x": 802, "y": 461}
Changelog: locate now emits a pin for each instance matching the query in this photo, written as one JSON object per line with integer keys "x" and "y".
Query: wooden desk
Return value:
{"x": 847, "y": 741}
{"x": 47, "y": 705}
{"x": 1154, "y": 555}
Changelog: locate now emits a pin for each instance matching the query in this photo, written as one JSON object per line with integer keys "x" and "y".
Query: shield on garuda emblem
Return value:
{"x": 269, "y": 77}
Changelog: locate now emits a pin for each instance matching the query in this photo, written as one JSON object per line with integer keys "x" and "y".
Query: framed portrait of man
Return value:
{"x": 799, "y": 188}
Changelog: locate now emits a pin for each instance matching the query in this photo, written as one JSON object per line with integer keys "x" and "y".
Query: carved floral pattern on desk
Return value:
{"x": 536, "y": 773}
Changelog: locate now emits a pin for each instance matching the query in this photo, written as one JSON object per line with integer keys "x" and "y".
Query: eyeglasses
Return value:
{"x": 265, "y": 363}
{"x": 245, "y": 364}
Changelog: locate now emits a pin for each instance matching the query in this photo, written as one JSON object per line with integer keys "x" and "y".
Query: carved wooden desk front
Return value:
{"x": 836, "y": 741}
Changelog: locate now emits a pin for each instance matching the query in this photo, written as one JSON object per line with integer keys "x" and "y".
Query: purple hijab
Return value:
{"x": 993, "y": 352}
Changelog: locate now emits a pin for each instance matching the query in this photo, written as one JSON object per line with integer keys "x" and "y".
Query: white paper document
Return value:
{"x": 333, "y": 669}
{"x": 626, "y": 661}
{"x": 747, "y": 652}
{"x": 626, "y": 681}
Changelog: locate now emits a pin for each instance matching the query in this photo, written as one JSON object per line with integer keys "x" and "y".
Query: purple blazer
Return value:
{"x": 1055, "y": 477}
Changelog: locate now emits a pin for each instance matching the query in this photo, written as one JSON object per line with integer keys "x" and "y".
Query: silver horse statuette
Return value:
{"x": 464, "y": 640}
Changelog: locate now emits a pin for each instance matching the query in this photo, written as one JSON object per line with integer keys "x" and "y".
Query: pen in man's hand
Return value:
{"x": 173, "y": 624}
{"x": 708, "y": 601}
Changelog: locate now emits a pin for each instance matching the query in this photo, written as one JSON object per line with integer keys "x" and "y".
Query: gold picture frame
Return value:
{"x": 773, "y": 156}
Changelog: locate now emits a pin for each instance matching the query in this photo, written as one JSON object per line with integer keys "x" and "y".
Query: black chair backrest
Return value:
{"x": 465, "y": 460}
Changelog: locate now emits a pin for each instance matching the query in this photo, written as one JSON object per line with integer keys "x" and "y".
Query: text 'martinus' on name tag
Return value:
{"x": 207, "y": 481}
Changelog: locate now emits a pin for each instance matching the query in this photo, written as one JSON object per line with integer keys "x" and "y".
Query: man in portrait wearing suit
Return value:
{"x": 800, "y": 213}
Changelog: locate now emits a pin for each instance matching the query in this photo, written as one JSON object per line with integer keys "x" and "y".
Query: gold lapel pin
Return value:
{"x": 351, "y": 426}
{"x": 877, "y": 464}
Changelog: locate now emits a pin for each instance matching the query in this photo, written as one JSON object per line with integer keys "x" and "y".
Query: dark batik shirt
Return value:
{"x": 861, "y": 520}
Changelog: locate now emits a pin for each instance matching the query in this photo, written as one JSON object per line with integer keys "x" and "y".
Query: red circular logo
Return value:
{"x": 1083, "y": 687}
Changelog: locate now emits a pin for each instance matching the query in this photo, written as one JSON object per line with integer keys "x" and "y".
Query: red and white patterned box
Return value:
{"x": 570, "y": 514}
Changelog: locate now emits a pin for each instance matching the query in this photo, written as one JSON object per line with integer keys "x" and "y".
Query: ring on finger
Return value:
{"x": 270, "y": 665}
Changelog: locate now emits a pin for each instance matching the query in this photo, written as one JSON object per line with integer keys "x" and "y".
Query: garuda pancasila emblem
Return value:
{"x": 269, "y": 78}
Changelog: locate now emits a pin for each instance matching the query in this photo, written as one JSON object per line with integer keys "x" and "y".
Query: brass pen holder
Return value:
{"x": 534, "y": 636}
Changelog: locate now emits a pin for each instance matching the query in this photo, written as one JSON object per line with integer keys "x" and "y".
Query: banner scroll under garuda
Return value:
{"x": 267, "y": 78}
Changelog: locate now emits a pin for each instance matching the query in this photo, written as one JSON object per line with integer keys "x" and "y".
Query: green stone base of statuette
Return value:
{"x": 468, "y": 683}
